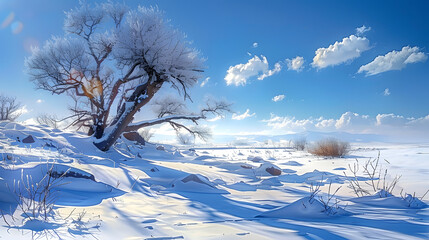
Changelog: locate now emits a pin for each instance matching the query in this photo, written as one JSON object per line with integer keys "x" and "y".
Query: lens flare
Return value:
{"x": 8, "y": 20}
{"x": 17, "y": 27}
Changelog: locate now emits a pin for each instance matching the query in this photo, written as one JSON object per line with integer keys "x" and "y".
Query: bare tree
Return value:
{"x": 122, "y": 63}
{"x": 9, "y": 108}
{"x": 49, "y": 120}
{"x": 300, "y": 143}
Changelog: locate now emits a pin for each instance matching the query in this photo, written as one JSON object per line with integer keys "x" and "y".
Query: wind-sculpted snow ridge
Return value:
{"x": 306, "y": 207}
{"x": 159, "y": 191}
{"x": 387, "y": 200}
{"x": 196, "y": 183}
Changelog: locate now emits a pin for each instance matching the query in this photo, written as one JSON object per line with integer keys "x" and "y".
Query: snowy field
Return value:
{"x": 164, "y": 192}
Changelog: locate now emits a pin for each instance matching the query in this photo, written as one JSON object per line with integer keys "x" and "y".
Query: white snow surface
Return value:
{"x": 141, "y": 192}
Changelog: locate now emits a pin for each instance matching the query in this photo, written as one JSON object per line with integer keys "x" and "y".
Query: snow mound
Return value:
{"x": 242, "y": 186}
{"x": 36, "y": 136}
{"x": 271, "y": 182}
{"x": 268, "y": 169}
{"x": 203, "y": 157}
{"x": 305, "y": 208}
{"x": 293, "y": 163}
{"x": 196, "y": 183}
{"x": 317, "y": 177}
{"x": 255, "y": 159}
{"x": 387, "y": 200}
{"x": 177, "y": 154}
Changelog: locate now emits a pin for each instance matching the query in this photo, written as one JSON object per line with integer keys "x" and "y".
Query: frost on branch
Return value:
{"x": 111, "y": 62}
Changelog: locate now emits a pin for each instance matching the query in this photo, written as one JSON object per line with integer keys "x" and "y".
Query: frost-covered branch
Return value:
{"x": 115, "y": 57}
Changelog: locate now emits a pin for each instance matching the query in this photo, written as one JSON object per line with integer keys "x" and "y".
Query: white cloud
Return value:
{"x": 325, "y": 123}
{"x": 214, "y": 119}
{"x": 394, "y": 60}
{"x": 255, "y": 44}
{"x": 420, "y": 124}
{"x": 238, "y": 74}
{"x": 349, "y": 48}
{"x": 390, "y": 120}
{"x": 396, "y": 126}
{"x": 257, "y": 66}
{"x": 361, "y": 30}
{"x": 39, "y": 101}
{"x": 353, "y": 121}
{"x": 348, "y": 121}
{"x": 242, "y": 116}
{"x": 23, "y": 110}
{"x": 289, "y": 123}
{"x": 296, "y": 64}
{"x": 278, "y": 98}
{"x": 386, "y": 92}
{"x": 277, "y": 68}
{"x": 204, "y": 82}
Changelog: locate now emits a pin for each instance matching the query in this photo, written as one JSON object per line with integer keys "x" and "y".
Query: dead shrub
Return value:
{"x": 299, "y": 144}
{"x": 330, "y": 148}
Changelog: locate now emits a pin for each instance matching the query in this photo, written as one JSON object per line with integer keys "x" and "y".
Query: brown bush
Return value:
{"x": 330, "y": 148}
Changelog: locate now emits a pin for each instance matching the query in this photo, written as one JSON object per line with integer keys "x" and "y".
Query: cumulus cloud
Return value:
{"x": 237, "y": 75}
{"x": 257, "y": 66}
{"x": 394, "y": 60}
{"x": 396, "y": 126}
{"x": 214, "y": 119}
{"x": 361, "y": 30}
{"x": 349, "y": 48}
{"x": 348, "y": 121}
{"x": 245, "y": 115}
{"x": 325, "y": 123}
{"x": 354, "y": 121}
{"x": 420, "y": 124}
{"x": 386, "y": 92}
{"x": 289, "y": 123}
{"x": 277, "y": 68}
{"x": 39, "y": 101}
{"x": 278, "y": 98}
{"x": 204, "y": 82}
{"x": 390, "y": 120}
{"x": 255, "y": 44}
{"x": 296, "y": 64}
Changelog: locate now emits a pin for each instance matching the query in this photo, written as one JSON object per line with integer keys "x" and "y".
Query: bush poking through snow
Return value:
{"x": 299, "y": 144}
{"x": 330, "y": 148}
{"x": 37, "y": 199}
{"x": 378, "y": 187}
{"x": 185, "y": 139}
{"x": 329, "y": 203}
{"x": 414, "y": 202}
{"x": 310, "y": 207}
{"x": 377, "y": 182}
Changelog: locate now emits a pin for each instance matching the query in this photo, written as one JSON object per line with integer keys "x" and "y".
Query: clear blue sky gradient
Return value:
{"x": 224, "y": 32}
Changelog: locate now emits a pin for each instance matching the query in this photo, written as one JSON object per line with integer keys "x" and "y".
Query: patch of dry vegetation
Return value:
{"x": 330, "y": 148}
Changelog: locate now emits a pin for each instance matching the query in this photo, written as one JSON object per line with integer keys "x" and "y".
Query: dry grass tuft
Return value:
{"x": 330, "y": 148}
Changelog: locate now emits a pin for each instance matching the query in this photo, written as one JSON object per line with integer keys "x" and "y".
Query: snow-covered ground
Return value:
{"x": 163, "y": 192}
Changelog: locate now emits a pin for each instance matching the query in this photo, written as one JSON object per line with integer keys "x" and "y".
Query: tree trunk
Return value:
{"x": 99, "y": 130}
{"x": 126, "y": 115}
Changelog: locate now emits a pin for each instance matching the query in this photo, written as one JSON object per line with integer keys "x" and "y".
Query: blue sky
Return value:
{"x": 348, "y": 86}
